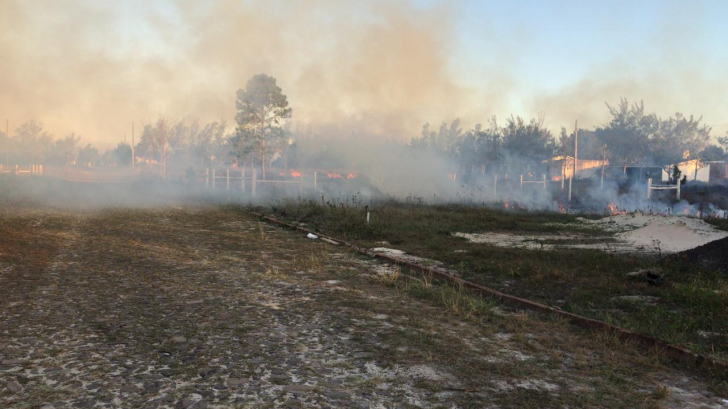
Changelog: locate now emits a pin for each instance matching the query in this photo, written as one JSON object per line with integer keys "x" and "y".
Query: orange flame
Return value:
{"x": 614, "y": 210}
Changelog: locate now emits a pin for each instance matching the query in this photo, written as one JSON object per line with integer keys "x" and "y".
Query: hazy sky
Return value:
{"x": 380, "y": 67}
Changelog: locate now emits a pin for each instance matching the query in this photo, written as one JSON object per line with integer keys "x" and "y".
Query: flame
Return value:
{"x": 294, "y": 173}
{"x": 614, "y": 210}
{"x": 350, "y": 176}
{"x": 334, "y": 176}
{"x": 562, "y": 208}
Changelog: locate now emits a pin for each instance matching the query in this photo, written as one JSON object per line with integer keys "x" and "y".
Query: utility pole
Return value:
{"x": 604, "y": 161}
{"x": 576, "y": 147}
{"x": 133, "y": 157}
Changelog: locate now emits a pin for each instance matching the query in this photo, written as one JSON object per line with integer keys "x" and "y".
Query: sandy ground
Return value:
{"x": 630, "y": 233}
{"x": 204, "y": 308}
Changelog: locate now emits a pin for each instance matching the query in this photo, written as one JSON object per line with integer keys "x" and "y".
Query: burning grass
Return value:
{"x": 692, "y": 303}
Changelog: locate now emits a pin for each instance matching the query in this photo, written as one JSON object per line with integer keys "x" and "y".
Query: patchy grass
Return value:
{"x": 691, "y": 309}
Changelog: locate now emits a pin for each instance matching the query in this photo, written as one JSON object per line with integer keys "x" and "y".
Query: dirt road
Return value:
{"x": 206, "y": 307}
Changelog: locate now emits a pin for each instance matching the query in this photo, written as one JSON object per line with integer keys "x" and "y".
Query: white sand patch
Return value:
{"x": 388, "y": 251}
{"x": 423, "y": 372}
{"x": 404, "y": 256}
{"x": 637, "y": 298}
{"x": 638, "y": 233}
{"x": 673, "y": 234}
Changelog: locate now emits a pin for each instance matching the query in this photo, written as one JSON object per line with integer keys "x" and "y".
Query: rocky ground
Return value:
{"x": 207, "y": 307}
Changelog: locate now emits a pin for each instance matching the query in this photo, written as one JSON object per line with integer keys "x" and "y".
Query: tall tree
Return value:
{"x": 262, "y": 109}
{"x": 65, "y": 150}
{"x": 32, "y": 141}
{"x": 532, "y": 140}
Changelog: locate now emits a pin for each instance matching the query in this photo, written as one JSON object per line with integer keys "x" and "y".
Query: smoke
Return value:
{"x": 378, "y": 67}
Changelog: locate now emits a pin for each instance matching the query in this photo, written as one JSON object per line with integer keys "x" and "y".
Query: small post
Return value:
{"x": 255, "y": 181}
{"x": 17, "y": 171}
{"x": 228, "y": 179}
{"x": 242, "y": 178}
{"x": 207, "y": 177}
{"x": 544, "y": 181}
{"x": 495, "y": 186}
{"x": 649, "y": 188}
{"x": 367, "y": 217}
{"x": 570, "y": 179}
{"x": 214, "y": 176}
{"x": 41, "y": 169}
{"x": 521, "y": 181}
{"x": 678, "y": 189}
{"x": 315, "y": 180}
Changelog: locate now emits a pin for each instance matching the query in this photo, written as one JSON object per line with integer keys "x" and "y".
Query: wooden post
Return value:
{"x": 207, "y": 177}
{"x": 214, "y": 176}
{"x": 544, "y": 181}
{"x": 228, "y": 179}
{"x": 649, "y": 188}
{"x": 576, "y": 147}
{"x": 255, "y": 181}
{"x": 604, "y": 161}
{"x": 242, "y": 178}
{"x": 570, "y": 179}
{"x": 521, "y": 181}
{"x": 315, "y": 180}
{"x": 16, "y": 170}
{"x": 495, "y": 186}
{"x": 41, "y": 169}
{"x": 678, "y": 189}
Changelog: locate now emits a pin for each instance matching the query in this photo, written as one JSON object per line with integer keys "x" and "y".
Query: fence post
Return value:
{"x": 521, "y": 181}
{"x": 214, "y": 176}
{"x": 16, "y": 170}
{"x": 544, "y": 181}
{"x": 255, "y": 180}
{"x": 315, "y": 180}
{"x": 678, "y": 189}
{"x": 570, "y": 179}
{"x": 495, "y": 186}
{"x": 228, "y": 179}
{"x": 41, "y": 169}
{"x": 207, "y": 177}
{"x": 649, "y": 188}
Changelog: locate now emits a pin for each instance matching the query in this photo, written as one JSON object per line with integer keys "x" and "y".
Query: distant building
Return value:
{"x": 708, "y": 172}
{"x": 563, "y": 167}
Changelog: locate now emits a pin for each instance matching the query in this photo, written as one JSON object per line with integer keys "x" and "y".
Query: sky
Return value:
{"x": 382, "y": 68}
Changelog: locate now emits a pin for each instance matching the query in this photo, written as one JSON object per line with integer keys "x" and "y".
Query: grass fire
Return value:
{"x": 381, "y": 204}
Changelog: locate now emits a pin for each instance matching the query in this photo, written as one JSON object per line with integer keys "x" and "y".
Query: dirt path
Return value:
{"x": 202, "y": 307}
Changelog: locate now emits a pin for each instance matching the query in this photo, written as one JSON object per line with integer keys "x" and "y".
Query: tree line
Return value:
{"x": 262, "y": 137}
{"x": 632, "y": 137}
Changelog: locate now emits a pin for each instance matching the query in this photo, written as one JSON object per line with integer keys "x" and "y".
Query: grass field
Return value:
{"x": 200, "y": 306}
{"x": 691, "y": 309}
